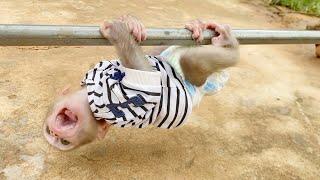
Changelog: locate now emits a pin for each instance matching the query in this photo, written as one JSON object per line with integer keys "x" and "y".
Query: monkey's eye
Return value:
{"x": 64, "y": 142}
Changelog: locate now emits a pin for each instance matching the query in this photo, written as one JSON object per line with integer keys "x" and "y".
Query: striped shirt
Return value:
{"x": 131, "y": 98}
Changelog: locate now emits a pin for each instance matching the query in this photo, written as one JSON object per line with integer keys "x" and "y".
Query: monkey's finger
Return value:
{"x": 198, "y": 21}
{"x": 215, "y": 41}
{"x": 221, "y": 30}
{"x": 216, "y": 27}
{"x": 125, "y": 18}
{"x": 122, "y": 18}
{"x": 189, "y": 27}
{"x": 143, "y": 32}
{"x": 194, "y": 29}
{"x": 140, "y": 29}
{"x": 211, "y": 25}
{"x": 136, "y": 32}
{"x": 227, "y": 28}
{"x": 219, "y": 41}
{"x": 105, "y": 25}
{"x": 200, "y": 38}
{"x": 104, "y": 28}
{"x": 203, "y": 25}
{"x": 196, "y": 33}
{"x": 139, "y": 34}
{"x": 130, "y": 26}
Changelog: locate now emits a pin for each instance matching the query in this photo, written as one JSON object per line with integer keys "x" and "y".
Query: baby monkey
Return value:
{"x": 139, "y": 90}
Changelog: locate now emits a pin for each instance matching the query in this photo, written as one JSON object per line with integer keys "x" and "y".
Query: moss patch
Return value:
{"x": 304, "y": 6}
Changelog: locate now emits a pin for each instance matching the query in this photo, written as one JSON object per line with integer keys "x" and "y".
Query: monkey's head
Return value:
{"x": 70, "y": 123}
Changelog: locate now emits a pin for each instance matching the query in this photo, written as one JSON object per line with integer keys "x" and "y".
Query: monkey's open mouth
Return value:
{"x": 66, "y": 119}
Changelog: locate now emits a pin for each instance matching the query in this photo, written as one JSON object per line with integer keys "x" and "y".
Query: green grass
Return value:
{"x": 304, "y": 6}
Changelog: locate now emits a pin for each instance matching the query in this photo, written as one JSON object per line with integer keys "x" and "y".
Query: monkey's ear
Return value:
{"x": 64, "y": 91}
{"x": 103, "y": 128}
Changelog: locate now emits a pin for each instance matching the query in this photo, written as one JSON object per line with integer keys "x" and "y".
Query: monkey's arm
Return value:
{"x": 128, "y": 50}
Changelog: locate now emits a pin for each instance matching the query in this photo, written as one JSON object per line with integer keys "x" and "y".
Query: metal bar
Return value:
{"x": 54, "y": 35}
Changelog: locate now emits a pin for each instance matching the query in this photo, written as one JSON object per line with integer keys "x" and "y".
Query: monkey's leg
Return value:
{"x": 200, "y": 62}
{"x": 157, "y": 50}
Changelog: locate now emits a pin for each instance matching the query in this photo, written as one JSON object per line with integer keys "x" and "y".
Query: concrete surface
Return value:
{"x": 264, "y": 125}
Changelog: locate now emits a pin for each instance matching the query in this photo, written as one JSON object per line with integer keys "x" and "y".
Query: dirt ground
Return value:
{"x": 264, "y": 125}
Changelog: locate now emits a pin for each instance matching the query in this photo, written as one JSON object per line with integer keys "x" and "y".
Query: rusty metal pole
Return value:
{"x": 64, "y": 35}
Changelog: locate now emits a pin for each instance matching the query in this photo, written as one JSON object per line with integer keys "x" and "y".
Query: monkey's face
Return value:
{"x": 70, "y": 122}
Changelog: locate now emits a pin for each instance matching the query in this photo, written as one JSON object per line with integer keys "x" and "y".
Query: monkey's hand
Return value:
{"x": 124, "y": 25}
{"x": 196, "y": 27}
{"x": 225, "y": 36}
{"x": 125, "y": 33}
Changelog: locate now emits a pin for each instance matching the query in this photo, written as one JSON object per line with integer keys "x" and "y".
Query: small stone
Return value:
{"x": 13, "y": 96}
{"x": 309, "y": 150}
{"x": 220, "y": 152}
{"x": 284, "y": 110}
{"x": 299, "y": 100}
{"x": 190, "y": 162}
{"x": 298, "y": 139}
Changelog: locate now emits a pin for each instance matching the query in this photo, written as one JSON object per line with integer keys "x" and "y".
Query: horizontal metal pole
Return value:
{"x": 64, "y": 35}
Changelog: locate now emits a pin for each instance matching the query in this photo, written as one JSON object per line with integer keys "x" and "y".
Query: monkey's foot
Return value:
{"x": 215, "y": 83}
